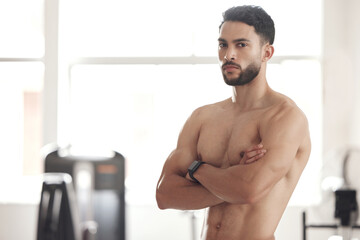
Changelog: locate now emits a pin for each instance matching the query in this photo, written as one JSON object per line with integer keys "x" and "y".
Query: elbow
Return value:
{"x": 160, "y": 200}
{"x": 160, "y": 203}
{"x": 161, "y": 195}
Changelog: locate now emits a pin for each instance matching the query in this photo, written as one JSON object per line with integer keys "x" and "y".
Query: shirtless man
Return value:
{"x": 244, "y": 189}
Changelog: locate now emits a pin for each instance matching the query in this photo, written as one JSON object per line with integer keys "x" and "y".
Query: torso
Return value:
{"x": 223, "y": 136}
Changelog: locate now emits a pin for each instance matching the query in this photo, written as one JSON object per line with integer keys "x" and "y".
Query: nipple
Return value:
{"x": 218, "y": 226}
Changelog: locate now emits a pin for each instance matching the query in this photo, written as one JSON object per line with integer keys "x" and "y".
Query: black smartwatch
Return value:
{"x": 192, "y": 169}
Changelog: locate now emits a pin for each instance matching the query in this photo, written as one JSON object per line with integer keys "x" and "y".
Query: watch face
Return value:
{"x": 193, "y": 165}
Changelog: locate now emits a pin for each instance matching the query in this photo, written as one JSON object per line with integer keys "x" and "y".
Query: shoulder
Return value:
{"x": 284, "y": 116}
{"x": 285, "y": 108}
{"x": 208, "y": 111}
{"x": 198, "y": 117}
{"x": 189, "y": 134}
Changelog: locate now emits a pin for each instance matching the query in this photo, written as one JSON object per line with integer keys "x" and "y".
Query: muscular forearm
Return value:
{"x": 177, "y": 192}
{"x": 219, "y": 182}
{"x": 226, "y": 183}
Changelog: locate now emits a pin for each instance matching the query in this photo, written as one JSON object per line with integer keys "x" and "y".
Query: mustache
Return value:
{"x": 231, "y": 63}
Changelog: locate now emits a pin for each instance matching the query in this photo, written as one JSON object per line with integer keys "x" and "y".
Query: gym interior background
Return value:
{"x": 124, "y": 76}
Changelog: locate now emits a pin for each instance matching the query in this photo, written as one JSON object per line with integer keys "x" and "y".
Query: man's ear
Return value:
{"x": 268, "y": 52}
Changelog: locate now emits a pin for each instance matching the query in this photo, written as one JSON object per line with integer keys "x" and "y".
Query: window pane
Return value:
{"x": 21, "y": 27}
{"x": 126, "y": 28}
{"x": 182, "y": 28}
{"x": 20, "y": 89}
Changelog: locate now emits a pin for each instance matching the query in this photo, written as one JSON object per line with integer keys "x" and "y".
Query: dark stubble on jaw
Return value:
{"x": 245, "y": 77}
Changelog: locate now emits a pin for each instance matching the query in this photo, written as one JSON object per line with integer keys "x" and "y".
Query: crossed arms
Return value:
{"x": 243, "y": 183}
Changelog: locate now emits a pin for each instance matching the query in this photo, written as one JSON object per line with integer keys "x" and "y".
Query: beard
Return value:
{"x": 246, "y": 75}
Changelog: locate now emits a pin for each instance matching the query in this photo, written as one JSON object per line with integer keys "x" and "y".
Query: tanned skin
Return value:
{"x": 256, "y": 145}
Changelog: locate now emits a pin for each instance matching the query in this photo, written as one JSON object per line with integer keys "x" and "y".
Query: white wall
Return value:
{"x": 18, "y": 221}
{"x": 341, "y": 69}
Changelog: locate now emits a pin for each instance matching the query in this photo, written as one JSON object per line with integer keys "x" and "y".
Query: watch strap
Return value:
{"x": 193, "y": 168}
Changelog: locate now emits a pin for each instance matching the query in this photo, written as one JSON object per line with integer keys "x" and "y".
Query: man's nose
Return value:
{"x": 230, "y": 54}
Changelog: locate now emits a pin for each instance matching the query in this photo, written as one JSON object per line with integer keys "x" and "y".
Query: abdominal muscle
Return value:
{"x": 233, "y": 222}
{"x": 244, "y": 221}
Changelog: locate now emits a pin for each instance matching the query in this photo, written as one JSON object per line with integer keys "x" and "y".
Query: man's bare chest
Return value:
{"x": 223, "y": 140}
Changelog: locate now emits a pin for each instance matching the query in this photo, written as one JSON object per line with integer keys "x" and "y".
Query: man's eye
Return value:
{"x": 242, "y": 44}
{"x": 221, "y": 45}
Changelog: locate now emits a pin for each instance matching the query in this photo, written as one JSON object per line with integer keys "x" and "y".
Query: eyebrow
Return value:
{"x": 235, "y": 41}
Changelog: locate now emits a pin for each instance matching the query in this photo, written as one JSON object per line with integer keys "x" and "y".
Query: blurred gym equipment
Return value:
{"x": 58, "y": 218}
{"x": 346, "y": 206}
{"x": 99, "y": 191}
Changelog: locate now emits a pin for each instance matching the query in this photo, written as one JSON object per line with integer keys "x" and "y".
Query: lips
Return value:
{"x": 230, "y": 67}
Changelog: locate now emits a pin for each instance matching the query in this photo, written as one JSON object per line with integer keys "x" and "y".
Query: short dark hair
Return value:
{"x": 253, "y": 16}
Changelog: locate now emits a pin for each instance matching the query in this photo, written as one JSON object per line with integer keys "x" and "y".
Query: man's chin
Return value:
{"x": 232, "y": 81}
{"x": 236, "y": 82}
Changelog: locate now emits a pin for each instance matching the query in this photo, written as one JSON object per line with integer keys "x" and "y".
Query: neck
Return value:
{"x": 252, "y": 95}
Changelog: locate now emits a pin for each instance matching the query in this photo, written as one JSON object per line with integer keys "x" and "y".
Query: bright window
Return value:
{"x": 21, "y": 26}
{"x": 21, "y": 86}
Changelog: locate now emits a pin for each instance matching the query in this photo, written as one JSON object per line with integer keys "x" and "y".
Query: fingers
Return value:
{"x": 253, "y": 154}
{"x": 254, "y": 158}
{"x": 255, "y": 147}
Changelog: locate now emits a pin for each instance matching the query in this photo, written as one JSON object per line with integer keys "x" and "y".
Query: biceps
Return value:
{"x": 270, "y": 168}
{"x": 280, "y": 158}
{"x": 178, "y": 162}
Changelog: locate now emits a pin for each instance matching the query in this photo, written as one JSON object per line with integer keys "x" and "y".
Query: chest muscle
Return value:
{"x": 221, "y": 143}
